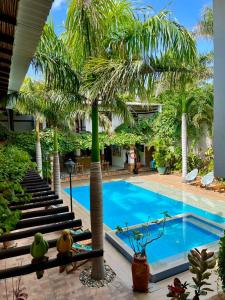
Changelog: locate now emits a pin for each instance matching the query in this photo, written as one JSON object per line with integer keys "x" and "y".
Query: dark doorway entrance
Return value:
{"x": 108, "y": 154}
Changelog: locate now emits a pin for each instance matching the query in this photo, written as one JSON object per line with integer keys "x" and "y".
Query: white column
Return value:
{"x": 219, "y": 87}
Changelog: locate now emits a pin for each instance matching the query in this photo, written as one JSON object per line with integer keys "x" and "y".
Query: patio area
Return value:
{"x": 62, "y": 286}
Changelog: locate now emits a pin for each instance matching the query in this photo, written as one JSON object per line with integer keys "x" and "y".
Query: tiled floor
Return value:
{"x": 62, "y": 287}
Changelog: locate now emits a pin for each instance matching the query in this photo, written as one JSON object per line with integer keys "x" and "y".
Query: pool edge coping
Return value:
{"x": 166, "y": 269}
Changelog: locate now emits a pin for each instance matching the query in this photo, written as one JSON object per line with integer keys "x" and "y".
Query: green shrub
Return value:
{"x": 25, "y": 141}
{"x": 8, "y": 218}
{"x": 160, "y": 156}
{"x": 14, "y": 192}
{"x": 4, "y": 133}
{"x": 14, "y": 163}
{"x": 221, "y": 262}
{"x": 194, "y": 161}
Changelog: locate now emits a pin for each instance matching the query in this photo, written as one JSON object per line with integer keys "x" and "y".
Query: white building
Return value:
{"x": 117, "y": 156}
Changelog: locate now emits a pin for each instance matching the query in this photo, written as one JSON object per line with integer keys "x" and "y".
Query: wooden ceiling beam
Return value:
{"x": 3, "y": 86}
{"x": 6, "y": 38}
{"x": 4, "y": 79}
{"x": 3, "y": 83}
{"x": 5, "y": 69}
{"x": 5, "y": 75}
{"x": 5, "y": 61}
{"x": 7, "y": 19}
{"x": 6, "y": 51}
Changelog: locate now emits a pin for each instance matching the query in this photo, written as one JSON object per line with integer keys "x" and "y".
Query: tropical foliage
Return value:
{"x": 14, "y": 165}
{"x": 113, "y": 50}
{"x": 205, "y": 25}
{"x": 109, "y": 50}
{"x": 221, "y": 262}
{"x": 167, "y": 124}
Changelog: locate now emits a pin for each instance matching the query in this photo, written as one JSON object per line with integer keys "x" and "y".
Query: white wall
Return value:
{"x": 204, "y": 142}
{"x": 116, "y": 121}
{"x": 219, "y": 87}
{"x": 118, "y": 161}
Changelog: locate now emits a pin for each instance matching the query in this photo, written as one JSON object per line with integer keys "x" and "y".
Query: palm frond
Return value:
{"x": 110, "y": 77}
{"x": 86, "y": 26}
{"x": 53, "y": 61}
{"x": 204, "y": 27}
{"x": 157, "y": 34}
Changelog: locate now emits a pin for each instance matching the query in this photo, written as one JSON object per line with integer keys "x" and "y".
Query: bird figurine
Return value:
{"x": 64, "y": 246}
{"x": 38, "y": 250}
{"x": 65, "y": 242}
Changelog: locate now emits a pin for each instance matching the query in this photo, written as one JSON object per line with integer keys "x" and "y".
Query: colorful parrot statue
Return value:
{"x": 65, "y": 242}
{"x": 38, "y": 250}
{"x": 64, "y": 246}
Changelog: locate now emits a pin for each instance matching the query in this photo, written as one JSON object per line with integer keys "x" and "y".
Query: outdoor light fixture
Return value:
{"x": 70, "y": 165}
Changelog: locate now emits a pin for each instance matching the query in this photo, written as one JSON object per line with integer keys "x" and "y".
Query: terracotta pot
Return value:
{"x": 140, "y": 274}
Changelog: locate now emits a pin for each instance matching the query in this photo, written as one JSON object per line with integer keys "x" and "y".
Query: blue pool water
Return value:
{"x": 180, "y": 236}
{"x": 126, "y": 202}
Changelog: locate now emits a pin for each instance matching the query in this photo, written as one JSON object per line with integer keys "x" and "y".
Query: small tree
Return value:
{"x": 140, "y": 239}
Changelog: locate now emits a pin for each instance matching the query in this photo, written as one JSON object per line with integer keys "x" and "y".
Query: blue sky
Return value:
{"x": 186, "y": 12}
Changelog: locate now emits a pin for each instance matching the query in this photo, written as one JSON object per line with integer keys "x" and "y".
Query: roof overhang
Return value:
{"x": 21, "y": 25}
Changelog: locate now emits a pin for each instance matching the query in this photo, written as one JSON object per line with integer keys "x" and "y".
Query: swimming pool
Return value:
{"x": 127, "y": 202}
{"x": 181, "y": 235}
{"x": 167, "y": 256}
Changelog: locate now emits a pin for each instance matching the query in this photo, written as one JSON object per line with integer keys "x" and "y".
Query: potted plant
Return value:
{"x": 160, "y": 159}
{"x": 139, "y": 240}
{"x": 201, "y": 264}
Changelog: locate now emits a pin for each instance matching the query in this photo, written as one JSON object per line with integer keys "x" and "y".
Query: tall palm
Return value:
{"x": 60, "y": 110}
{"x": 53, "y": 61}
{"x": 204, "y": 27}
{"x": 187, "y": 89}
{"x": 111, "y": 38}
{"x": 87, "y": 25}
{"x": 29, "y": 101}
{"x": 201, "y": 72}
{"x": 186, "y": 103}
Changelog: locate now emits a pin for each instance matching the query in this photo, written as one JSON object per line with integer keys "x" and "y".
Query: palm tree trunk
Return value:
{"x": 96, "y": 210}
{"x": 38, "y": 148}
{"x": 56, "y": 166}
{"x": 184, "y": 144}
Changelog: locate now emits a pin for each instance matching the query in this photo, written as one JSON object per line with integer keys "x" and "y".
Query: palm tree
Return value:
{"x": 29, "y": 101}
{"x": 108, "y": 31}
{"x": 86, "y": 25}
{"x": 201, "y": 72}
{"x": 60, "y": 110}
{"x": 119, "y": 48}
{"x": 186, "y": 103}
{"x": 204, "y": 27}
{"x": 53, "y": 61}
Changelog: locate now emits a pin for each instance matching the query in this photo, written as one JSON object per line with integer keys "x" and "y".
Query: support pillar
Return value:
{"x": 219, "y": 87}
